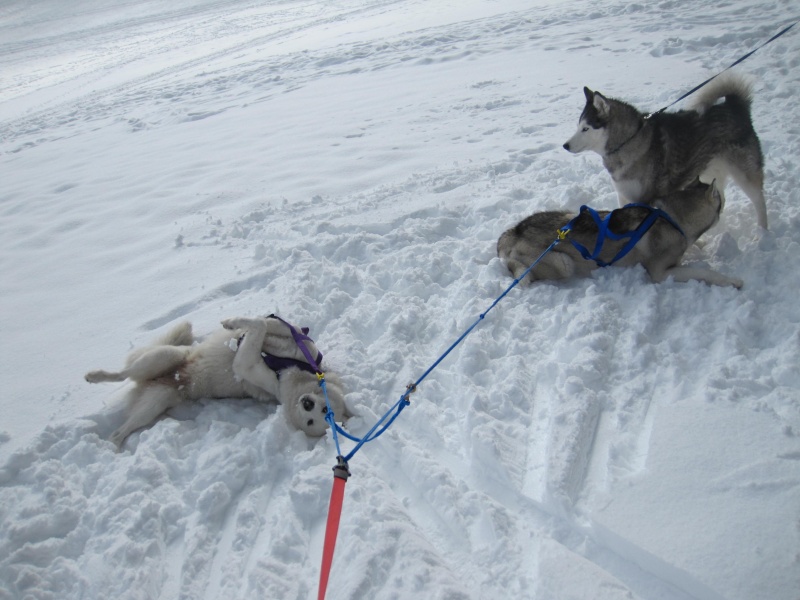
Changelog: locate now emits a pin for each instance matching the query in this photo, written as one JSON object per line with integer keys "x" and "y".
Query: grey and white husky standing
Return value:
{"x": 660, "y": 250}
{"x": 651, "y": 156}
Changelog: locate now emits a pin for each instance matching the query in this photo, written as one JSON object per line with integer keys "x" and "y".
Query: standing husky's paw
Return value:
{"x": 244, "y": 323}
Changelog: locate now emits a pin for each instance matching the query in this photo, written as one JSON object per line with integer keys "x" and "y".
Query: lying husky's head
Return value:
{"x": 696, "y": 207}
{"x": 592, "y": 134}
{"x": 304, "y": 400}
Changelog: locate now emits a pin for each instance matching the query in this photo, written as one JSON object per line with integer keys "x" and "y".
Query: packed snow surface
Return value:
{"x": 350, "y": 165}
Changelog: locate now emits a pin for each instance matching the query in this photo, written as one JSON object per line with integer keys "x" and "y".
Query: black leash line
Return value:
{"x": 707, "y": 81}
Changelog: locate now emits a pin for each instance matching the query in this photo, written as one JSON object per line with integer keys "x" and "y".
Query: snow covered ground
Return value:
{"x": 350, "y": 165}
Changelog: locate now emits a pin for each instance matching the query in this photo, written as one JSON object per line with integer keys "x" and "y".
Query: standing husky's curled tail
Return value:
{"x": 651, "y": 156}
{"x": 734, "y": 89}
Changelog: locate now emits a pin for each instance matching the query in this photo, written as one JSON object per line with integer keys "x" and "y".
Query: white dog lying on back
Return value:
{"x": 229, "y": 363}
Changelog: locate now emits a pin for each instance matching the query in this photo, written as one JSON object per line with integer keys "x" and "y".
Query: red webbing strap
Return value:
{"x": 340, "y": 475}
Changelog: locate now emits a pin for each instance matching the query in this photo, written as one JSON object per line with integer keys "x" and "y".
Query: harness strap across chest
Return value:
{"x": 281, "y": 363}
{"x": 603, "y": 231}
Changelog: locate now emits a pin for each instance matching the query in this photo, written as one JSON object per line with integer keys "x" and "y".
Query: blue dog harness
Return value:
{"x": 604, "y": 232}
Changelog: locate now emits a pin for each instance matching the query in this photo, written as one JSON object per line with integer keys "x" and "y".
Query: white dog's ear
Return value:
{"x": 600, "y": 103}
{"x": 336, "y": 396}
{"x": 347, "y": 413}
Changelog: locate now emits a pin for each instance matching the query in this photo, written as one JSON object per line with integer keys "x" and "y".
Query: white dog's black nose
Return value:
{"x": 566, "y": 146}
{"x": 308, "y": 404}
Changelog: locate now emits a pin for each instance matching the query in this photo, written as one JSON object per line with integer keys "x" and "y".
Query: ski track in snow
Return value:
{"x": 603, "y": 438}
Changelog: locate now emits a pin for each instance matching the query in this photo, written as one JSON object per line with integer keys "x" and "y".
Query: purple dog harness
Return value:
{"x": 281, "y": 363}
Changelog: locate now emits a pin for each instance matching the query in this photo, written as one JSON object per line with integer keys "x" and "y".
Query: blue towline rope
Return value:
{"x": 603, "y": 232}
{"x": 394, "y": 412}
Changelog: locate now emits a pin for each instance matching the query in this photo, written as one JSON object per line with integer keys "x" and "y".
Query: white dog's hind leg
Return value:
{"x": 148, "y": 364}
{"x": 146, "y": 404}
{"x": 157, "y": 361}
{"x": 100, "y": 375}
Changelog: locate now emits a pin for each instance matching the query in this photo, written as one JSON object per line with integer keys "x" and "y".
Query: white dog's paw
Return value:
{"x": 244, "y": 323}
{"x": 231, "y": 323}
{"x": 100, "y": 375}
{"x": 234, "y": 323}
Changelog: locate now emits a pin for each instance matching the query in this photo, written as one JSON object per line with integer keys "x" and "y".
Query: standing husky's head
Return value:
{"x": 304, "y": 400}
{"x": 592, "y": 134}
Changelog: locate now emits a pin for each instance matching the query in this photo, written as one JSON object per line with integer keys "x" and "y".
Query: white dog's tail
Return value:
{"x": 732, "y": 87}
{"x": 180, "y": 335}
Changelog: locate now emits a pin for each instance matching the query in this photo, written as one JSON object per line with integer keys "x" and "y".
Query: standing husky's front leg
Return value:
{"x": 248, "y": 365}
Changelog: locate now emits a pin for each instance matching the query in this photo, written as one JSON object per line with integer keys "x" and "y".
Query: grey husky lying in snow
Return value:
{"x": 649, "y": 157}
{"x": 660, "y": 249}
{"x": 227, "y": 364}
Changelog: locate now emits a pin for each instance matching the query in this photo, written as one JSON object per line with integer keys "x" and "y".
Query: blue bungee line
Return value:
{"x": 603, "y": 233}
{"x": 394, "y": 412}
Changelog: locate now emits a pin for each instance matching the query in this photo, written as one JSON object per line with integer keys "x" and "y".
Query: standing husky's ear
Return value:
{"x": 597, "y": 100}
{"x": 600, "y": 104}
